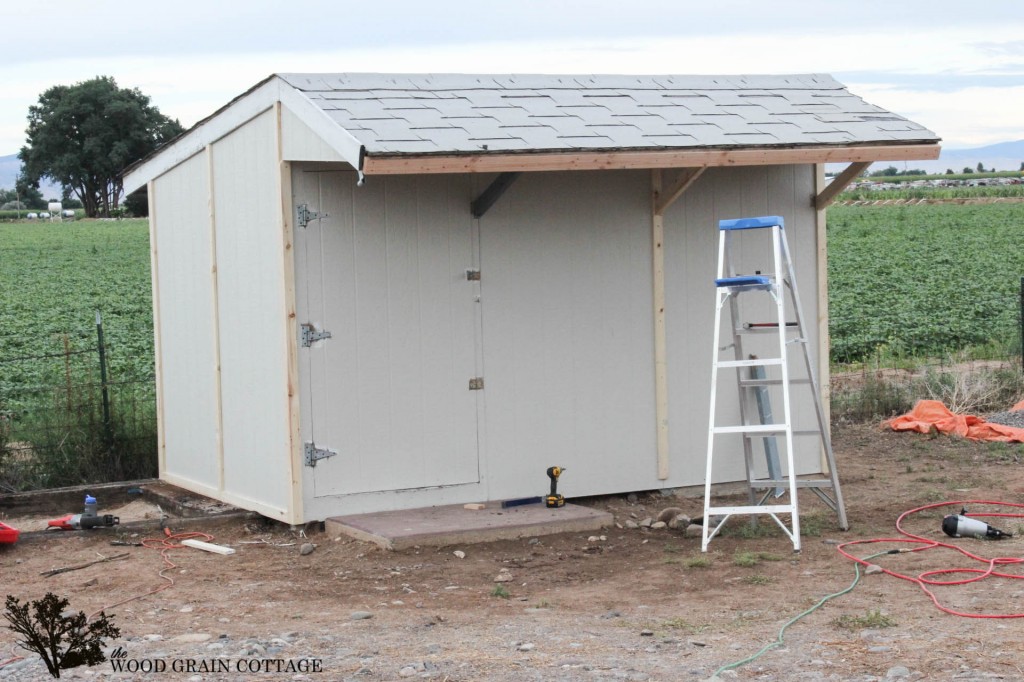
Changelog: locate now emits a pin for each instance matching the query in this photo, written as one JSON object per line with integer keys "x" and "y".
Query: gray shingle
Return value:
{"x": 456, "y": 113}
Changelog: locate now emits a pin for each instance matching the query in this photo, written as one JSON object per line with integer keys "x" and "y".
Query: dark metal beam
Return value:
{"x": 489, "y": 196}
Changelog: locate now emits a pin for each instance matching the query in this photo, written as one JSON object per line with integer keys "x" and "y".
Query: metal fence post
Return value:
{"x": 108, "y": 434}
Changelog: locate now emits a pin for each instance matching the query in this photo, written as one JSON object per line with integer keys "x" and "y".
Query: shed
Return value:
{"x": 379, "y": 292}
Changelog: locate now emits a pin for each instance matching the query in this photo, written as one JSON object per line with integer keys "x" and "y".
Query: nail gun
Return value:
{"x": 86, "y": 520}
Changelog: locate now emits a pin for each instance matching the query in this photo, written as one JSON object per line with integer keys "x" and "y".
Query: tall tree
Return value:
{"x": 84, "y": 135}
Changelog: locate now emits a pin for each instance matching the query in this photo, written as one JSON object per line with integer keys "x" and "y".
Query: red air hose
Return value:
{"x": 929, "y": 578}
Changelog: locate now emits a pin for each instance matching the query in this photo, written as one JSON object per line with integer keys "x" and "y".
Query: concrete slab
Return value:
{"x": 454, "y": 524}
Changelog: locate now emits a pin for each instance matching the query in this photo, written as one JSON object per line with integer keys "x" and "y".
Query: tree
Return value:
{"x": 84, "y": 135}
{"x": 968, "y": 169}
{"x": 29, "y": 192}
{"x": 949, "y": 171}
{"x": 62, "y": 641}
{"x": 981, "y": 167}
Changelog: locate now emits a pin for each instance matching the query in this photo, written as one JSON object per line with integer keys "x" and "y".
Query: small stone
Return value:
{"x": 697, "y": 642}
{"x": 91, "y": 583}
{"x": 526, "y": 646}
{"x": 694, "y": 531}
{"x": 896, "y": 672}
{"x": 612, "y": 614}
{"x": 680, "y": 521}
{"x": 631, "y": 524}
{"x": 504, "y": 576}
{"x": 647, "y": 633}
{"x": 658, "y": 525}
{"x": 186, "y": 609}
{"x": 669, "y": 513}
{"x": 306, "y": 549}
{"x": 192, "y": 638}
{"x": 360, "y": 615}
{"x": 830, "y": 541}
{"x": 152, "y": 638}
{"x": 872, "y": 569}
{"x": 646, "y": 523}
{"x": 593, "y": 538}
{"x": 407, "y": 671}
{"x": 632, "y": 498}
{"x": 459, "y": 553}
{"x": 879, "y": 649}
{"x": 532, "y": 541}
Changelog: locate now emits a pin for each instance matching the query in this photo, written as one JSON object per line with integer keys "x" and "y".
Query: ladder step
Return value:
{"x": 751, "y": 383}
{"x": 752, "y": 509}
{"x": 758, "y": 362}
{"x": 805, "y": 432}
{"x": 744, "y": 282}
{"x": 752, "y": 428}
{"x": 784, "y": 483}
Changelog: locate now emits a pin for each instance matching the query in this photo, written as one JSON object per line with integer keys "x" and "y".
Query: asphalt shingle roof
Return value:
{"x": 471, "y": 114}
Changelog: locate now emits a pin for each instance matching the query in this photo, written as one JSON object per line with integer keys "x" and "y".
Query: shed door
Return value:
{"x": 384, "y": 271}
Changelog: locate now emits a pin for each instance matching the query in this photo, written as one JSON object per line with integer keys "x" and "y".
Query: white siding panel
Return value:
{"x": 567, "y": 334}
{"x": 186, "y": 322}
{"x": 299, "y": 143}
{"x": 250, "y": 263}
{"x": 691, "y": 248}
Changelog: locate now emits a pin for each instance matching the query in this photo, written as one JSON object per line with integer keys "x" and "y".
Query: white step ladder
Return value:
{"x": 728, "y": 287}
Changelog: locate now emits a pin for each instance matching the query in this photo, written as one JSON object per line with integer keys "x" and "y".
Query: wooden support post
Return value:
{"x": 660, "y": 346}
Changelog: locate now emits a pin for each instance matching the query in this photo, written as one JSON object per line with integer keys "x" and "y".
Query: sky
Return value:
{"x": 955, "y": 67}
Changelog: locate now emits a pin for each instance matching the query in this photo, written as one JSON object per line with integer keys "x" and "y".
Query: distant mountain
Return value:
{"x": 10, "y": 166}
{"x": 1003, "y": 156}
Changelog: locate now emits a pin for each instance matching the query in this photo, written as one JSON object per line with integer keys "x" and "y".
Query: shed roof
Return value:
{"x": 427, "y": 123}
{"x": 459, "y": 114}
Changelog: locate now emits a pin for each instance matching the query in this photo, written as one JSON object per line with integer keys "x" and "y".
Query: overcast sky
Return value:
{"x": 955, "y": 67}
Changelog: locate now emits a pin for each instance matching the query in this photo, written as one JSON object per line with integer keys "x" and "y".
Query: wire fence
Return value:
{"x": 75, "y": 408}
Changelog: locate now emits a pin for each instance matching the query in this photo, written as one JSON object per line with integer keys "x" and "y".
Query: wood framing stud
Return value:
{"x": 660, "y": 342}
{"x": 839, "y": 183}
{"x": 489, "y": 196}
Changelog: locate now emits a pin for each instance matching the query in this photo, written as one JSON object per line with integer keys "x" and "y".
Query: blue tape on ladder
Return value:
{"x": 751, "y": 223}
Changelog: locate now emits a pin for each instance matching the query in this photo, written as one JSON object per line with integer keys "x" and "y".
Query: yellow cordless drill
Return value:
{"x": 554, "y": 499}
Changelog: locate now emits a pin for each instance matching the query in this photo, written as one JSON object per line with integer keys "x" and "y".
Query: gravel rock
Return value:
{"x": 361, "y": 615}
{"x": 1014, "y": 418}
{"x": 669, "y": 513}
{"x": 306, "y": 549}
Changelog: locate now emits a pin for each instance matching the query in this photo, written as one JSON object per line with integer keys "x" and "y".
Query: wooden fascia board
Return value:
{"x": 667, "y": 198}
{"x": 662, "y": 158}
{"x": 839, "y": 183}
{"x": 194, "y": 141}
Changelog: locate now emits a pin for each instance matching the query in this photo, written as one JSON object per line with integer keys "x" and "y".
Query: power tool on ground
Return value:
{"x": 962, "y": 526}
{"x": 554, "y": 499}
{"x": 86, "y": 520}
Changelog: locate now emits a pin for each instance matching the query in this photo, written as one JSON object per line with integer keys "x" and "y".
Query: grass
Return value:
{"x": 55, "y": 278}
{"x": 758, "y": 579}
{"x": 698, "y": 562}
{"x": 873, "y": 620}
{"x": 751, "y": 559}
{"x": 500, "y": 592}
{"x": 912, "y": 281}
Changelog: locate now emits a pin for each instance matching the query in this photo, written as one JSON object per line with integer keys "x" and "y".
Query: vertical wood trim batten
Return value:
{"x": 154, "y": 266}
{"x": 218, "y": 399}
{"x": 660, "y": 360}
{"x": 296, "y": 512}
{"x": 824, "y": 342}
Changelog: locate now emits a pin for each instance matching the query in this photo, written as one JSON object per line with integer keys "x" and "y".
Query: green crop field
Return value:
{"x": 924, "y": 280}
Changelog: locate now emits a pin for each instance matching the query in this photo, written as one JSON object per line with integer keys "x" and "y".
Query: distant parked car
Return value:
{"x": 31, "y": 216}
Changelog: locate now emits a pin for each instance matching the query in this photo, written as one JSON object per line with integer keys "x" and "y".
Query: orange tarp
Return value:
{"x": 932, "y": 414}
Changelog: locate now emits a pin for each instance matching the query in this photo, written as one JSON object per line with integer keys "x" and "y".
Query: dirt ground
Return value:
{"x": 638, "y": 604}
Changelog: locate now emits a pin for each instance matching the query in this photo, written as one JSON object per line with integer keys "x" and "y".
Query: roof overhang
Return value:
{"x": 247, "y": 106}
{"x": 662, "y": 158}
